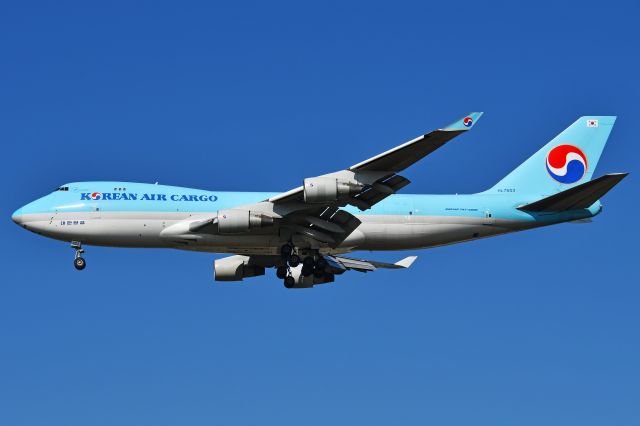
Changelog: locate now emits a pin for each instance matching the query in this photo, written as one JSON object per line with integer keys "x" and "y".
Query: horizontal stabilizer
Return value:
{"x": 578, "y": 197}
{"x": 406, "y": 262}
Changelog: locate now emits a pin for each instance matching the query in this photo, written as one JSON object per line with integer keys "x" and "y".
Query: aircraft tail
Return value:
{"x": 568, "y": 160}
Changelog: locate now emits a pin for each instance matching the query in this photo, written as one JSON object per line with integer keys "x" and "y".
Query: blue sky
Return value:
{"x": 526, "y": 329}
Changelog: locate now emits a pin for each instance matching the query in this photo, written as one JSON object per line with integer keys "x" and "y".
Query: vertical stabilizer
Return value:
{"x": 568, "y": 160}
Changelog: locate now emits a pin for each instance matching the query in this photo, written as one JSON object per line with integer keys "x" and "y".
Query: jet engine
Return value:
{"x": 236, "y": 221}
{"x": 235, "y": 268}
{"x": 328, "y": 189}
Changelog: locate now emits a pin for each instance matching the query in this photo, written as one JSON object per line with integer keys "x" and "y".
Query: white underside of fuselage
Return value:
{"x": 376, "y": 232}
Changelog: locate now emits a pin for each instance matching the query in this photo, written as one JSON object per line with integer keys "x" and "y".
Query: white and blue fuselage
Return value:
{"x": 124, "y": 214}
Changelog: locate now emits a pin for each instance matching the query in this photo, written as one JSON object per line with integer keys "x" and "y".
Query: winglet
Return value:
{"x": 466, "y": 122}
{"x": 406, "y": 262}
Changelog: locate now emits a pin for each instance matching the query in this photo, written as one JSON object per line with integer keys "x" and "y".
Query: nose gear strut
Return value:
{"x": 78, "y": 261}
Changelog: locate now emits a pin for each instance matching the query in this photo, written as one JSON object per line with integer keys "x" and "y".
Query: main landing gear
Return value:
{"x": 312, "y": 264}
{"x": 78, "y": 261}
{"x": 284, "y": 272}
{"x": 289, "y": 281}
{"x": 289, "y": 256}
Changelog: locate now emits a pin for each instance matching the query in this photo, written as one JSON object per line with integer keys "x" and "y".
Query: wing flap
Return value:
{"x": 341, "y": 219}
{"x": 376, "y": 193}
{"x": 329, "y": 225}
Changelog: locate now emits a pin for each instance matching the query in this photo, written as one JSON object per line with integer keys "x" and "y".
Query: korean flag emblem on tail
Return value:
{"x": 592, "y": 123}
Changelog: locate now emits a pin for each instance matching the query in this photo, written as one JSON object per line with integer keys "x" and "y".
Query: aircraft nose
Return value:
{"x": 17, "y": 216}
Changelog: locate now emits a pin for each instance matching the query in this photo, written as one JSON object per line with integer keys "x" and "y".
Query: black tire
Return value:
{"x": 294, "y": 260}
{"x": 318, "y": 273}
{"x": 307, "y": 270}
{"x": 308, "y": 261}
{"x": 289, "y": 282}
{"x": 79, "y": 263}
{"x": 281, "y": 272}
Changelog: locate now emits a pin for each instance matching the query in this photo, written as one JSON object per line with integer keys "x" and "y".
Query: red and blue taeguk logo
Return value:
{"x": 96, "y": 195}
{"x": 567, "y": 164}
{"x": 468, "y": 122}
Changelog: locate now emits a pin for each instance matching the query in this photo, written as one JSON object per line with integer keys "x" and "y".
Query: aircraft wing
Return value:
{"x": 313, "y": 212}
{"x": 377, "y": 176}
{"x": 314, "y": 209}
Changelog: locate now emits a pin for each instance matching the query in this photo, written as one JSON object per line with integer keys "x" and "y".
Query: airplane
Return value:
{"x": 306, "y": 232}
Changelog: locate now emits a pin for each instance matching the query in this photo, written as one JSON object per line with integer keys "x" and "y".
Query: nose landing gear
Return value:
{"x": 78, "y": 261}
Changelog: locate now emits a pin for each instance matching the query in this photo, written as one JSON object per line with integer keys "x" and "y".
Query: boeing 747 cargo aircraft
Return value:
{"x": 305, "y": 233}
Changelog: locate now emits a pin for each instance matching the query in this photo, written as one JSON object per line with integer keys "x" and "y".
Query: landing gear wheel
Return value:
{"x": 294, "y": 260}
{"x": 281, "y": 272}
{"x": 79, "y": 263}
{"x": 308, "y": 261}
{"x": 289, "y": 282}
{"x": 307, "y": 270}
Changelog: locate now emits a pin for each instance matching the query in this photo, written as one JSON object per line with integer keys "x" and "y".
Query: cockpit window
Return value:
{"x": 63, "y": 188}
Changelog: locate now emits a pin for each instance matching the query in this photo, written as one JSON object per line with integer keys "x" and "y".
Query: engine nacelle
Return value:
{"x": 235, "y": 268}
{"x": 236, "y": 221}
{"x": 328, "y": 189}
